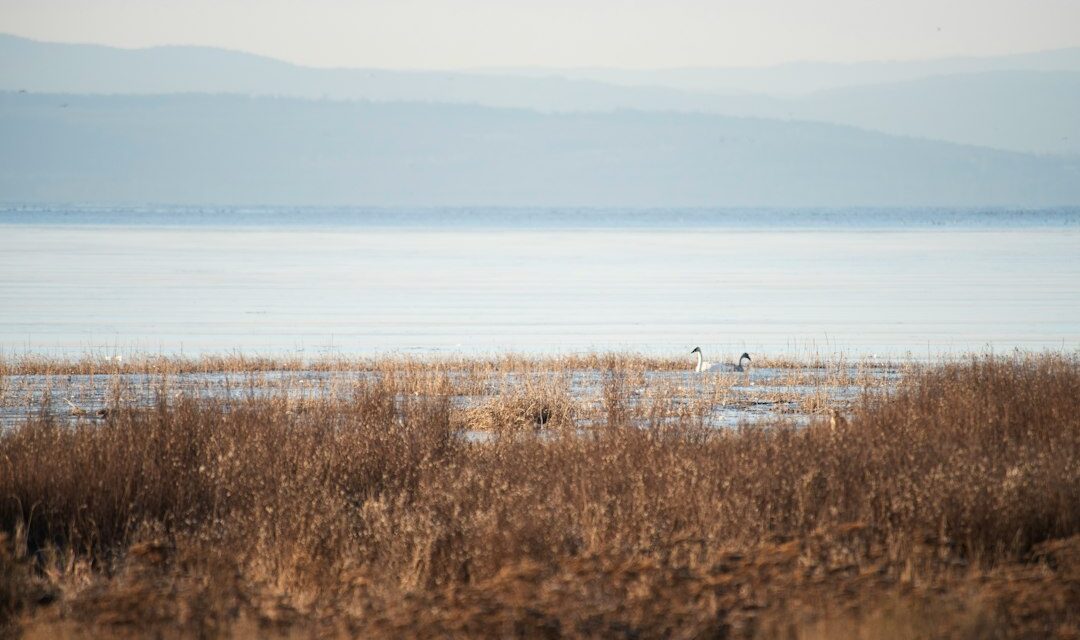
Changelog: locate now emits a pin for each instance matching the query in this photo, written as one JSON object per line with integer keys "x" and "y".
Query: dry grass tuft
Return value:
{"x": 534, "y": 410}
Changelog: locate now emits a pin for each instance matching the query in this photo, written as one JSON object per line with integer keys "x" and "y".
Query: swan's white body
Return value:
{"x": 744, "y": 363}
{"x": 702, "y": 365}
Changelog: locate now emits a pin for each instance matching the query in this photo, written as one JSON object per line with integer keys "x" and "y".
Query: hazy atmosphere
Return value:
{"x": 540, "y": 319}
{"x": 88, "y": 123}
{"x": 645, "y": 34}
{"x": 518, "y": 104}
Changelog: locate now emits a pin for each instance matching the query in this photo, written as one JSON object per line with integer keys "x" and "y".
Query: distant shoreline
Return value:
{"x": 481, "y": 218}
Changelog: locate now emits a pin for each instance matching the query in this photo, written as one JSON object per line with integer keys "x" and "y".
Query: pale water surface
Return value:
{"x": 891, "y": 283}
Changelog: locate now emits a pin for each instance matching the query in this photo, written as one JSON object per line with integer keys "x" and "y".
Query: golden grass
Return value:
{"x": 539, "y": 404}
{"x": 945, "y": 506}
{"x": 37, "y": 364}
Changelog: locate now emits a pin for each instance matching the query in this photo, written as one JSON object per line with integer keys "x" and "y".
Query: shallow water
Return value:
{"x": 761, "y": 395}
{"x": 106, "y": 280}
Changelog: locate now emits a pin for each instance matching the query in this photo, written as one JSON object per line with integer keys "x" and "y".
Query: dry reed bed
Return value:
{"x": 945, "y": 507}
{"x": 489, "y": 388}
{"x": 140, "y": 363}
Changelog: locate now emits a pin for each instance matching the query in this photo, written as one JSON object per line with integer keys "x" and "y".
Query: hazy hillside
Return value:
{"x": 228, "y": 149}
{"x": 1028, "y": 110}
{"x": 67, "y": 68}
{"x": 1021, "y": 110}
{"x": 798, "y": 78}
{"x": 47, "y": 66}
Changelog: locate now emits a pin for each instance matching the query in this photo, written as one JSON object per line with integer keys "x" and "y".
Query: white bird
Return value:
{"x": 701, "y": 364}
{"x": 743, "y": 365}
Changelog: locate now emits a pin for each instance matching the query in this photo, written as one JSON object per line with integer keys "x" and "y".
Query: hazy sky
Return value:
{"x": 575, "y": 33}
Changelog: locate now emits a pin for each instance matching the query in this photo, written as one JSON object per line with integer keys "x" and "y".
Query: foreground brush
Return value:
{"x": 945, "y": 506}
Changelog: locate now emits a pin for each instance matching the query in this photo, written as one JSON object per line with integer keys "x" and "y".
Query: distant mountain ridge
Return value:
{"x": 800, "y": 78}
{"x": 1027, "y": 102}
{"x": 220, "y": 149}
{"x": 783, "y": 80}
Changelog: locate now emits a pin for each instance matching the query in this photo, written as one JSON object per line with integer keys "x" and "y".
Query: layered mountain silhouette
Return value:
{"x": 199, "y": 125}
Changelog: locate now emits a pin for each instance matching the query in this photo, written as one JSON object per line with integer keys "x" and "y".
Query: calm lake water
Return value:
{"x": 891, "y": 283}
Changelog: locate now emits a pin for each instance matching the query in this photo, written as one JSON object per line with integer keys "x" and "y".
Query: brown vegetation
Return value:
{"x": 37, "y": 364}
{"x": 948, "y": 506}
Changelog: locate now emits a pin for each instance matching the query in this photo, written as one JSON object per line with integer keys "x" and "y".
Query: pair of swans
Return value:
{"x": 743, "y": 365}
